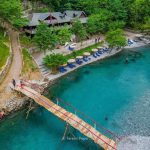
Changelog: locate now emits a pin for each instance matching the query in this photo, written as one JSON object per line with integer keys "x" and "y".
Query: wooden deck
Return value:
{"x": 70, "y": 118}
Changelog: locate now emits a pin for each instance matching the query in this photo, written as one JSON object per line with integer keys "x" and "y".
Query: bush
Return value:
{"x": 53, "y": 61}
{"x": 116, "y": 38}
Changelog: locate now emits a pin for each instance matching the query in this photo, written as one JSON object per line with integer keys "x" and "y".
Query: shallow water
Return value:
{"x": 106, "y": 89}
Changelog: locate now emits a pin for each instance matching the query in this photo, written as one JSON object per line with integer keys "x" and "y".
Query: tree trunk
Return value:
{"x": 54, "y": 70}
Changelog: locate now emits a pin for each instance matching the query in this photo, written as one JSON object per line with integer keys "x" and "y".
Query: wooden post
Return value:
{"x": 63, "y": 138}
{"x": 30, "y": 108}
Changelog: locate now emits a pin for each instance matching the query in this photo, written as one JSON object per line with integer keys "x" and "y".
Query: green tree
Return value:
{"x": 146, "y": 25}
{"x": 53, "y": 61}
{"x": 53, "y": 4}
{"x": 11, "y": 11}
{"x": 79, "y": 30}
{"x": 64, "y": 35}
{"x": 45, "y": 38}
{"x": 119, "y": 12}
{"x": 98, "y": 23}
{"x": 139, "y": 9}
{"x": 116, "y": 38}
{"x": 90, "y": 7}
{"x": 116, "y": 25}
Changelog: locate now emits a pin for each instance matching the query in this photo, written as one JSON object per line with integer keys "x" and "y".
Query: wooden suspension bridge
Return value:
{"x": 70, "y": 118}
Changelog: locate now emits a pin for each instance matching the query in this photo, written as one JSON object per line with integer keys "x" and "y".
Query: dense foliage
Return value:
{"x": 79, "y": 30}
{"x": 45, "y": 37}
{"x": 116, "y": 38}
{"x": 11, "y": 11}
{"x": 64, "y": 35}
{"x": 133, "y": 13}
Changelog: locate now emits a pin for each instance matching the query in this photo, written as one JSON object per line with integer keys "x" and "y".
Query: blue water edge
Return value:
{"x": 113, "y": 93}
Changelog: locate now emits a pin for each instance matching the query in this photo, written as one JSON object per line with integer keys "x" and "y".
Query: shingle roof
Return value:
{"x": 61, "y": 17}
{"x": 73, "y": 13}
{"x": 35, "y": 19}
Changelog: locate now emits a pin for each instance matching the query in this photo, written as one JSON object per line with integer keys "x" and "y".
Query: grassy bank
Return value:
{"x": 26, "y": 41}
{"x": 30, "y": 70}
{"x": 2, "y": 37}
{"x": 4, "y": 50}
{"x": 4, "y": 54}
{"x": 29, "y": 65}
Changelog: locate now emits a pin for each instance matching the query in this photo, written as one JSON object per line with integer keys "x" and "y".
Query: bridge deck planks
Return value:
{"x": 73, "y": 120}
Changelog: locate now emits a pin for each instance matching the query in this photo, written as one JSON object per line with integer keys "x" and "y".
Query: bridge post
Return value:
{"x": 76, "y": 113}
{"x": 57, "y": 102}
{"x": 67, "y": 127}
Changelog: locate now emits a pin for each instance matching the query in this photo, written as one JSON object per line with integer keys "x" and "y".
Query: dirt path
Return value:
{"x": 15, "y": 68}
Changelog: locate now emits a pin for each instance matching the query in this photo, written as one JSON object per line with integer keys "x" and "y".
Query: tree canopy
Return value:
{"x": 129, "y": 12}
{"x": 116, "y": 38}
{"x": 53, "y": 61}
{"x": 99, "y": 22}
{"x": 64, "y": 35}
{"x": 11, "y": 11}
{"x": 79, "y": 30}
{"x": 45, "y": 37}
{"x": 132, "y": 13}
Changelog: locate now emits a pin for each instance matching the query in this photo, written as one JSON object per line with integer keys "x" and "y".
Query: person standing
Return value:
{"x": 126, "y": 60}
{"x": 21, "y": 84}
{"x": 2, "y": 114}
{"x": 95, "y": 40}
{"x": 14, "y": 82}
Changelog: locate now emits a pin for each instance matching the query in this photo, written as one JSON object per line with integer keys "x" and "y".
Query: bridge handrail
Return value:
{"x": 86, "y": 116}
{"x": 66, "y": 115}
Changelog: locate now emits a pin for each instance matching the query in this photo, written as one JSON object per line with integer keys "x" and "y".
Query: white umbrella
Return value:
{"x": 79, "y": 57}
{"x": 71, "y": 60}
{"x": 87, "y": 54}
{"x": 64, "y": 65}
{"x": 94, "y": 50}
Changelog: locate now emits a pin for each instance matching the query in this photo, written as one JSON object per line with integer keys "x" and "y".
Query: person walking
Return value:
{"x": 14, "y": 82}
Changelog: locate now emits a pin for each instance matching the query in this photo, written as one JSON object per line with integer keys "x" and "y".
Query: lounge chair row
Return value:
{"x": 84, "y": 59}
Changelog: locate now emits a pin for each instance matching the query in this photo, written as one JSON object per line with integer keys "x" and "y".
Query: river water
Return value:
{"x": 115, "y": 94}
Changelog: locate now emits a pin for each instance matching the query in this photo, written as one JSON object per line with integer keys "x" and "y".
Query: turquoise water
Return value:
{"x": 106, "y": 89}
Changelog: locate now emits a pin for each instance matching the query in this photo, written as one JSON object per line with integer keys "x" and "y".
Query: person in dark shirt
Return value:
{"x": 14, "y": 82}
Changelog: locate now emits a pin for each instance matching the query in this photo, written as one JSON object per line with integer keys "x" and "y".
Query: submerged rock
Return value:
{"x": 134, "y": 143}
